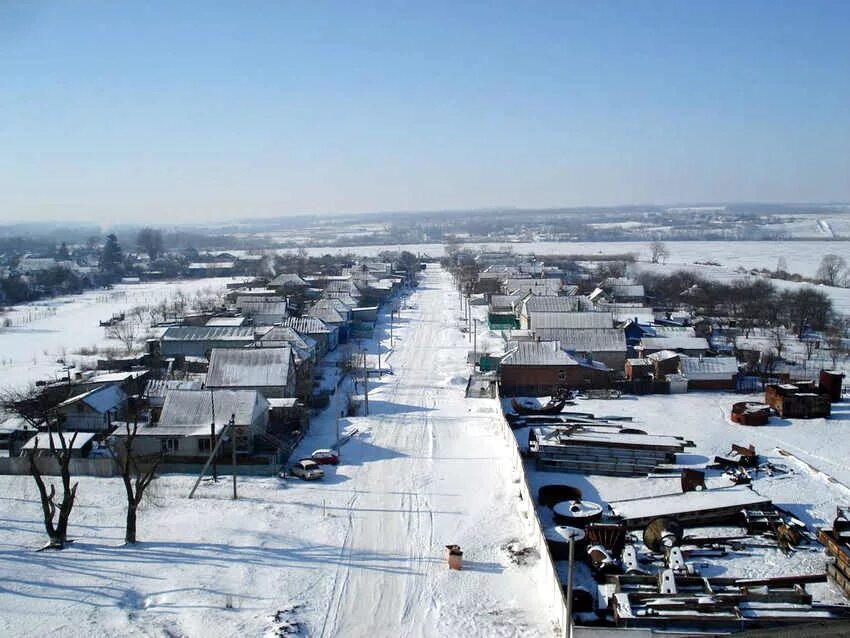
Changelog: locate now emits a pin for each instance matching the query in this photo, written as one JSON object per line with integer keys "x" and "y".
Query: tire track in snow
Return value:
{"x": 341, "y": 576}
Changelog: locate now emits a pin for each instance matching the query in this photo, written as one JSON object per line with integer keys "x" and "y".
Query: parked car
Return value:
{"x": 307, "y": 469}
{"x": 325, "y": 457}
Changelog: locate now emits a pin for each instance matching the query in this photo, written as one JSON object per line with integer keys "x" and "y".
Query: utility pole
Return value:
{"x": 365, "y": 386}
{"x": 391, "y": 327}
{"x": 212, "y": 436}
{"x": 380, "y": 375}
{"x": 474, "y": 340}
{"x": 233, "y": 451}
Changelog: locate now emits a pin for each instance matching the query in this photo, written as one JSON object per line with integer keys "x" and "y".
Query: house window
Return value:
{"x": 170, "y": 445}
{"x": 205, "y": 444}
{"x": 562, "y": 375}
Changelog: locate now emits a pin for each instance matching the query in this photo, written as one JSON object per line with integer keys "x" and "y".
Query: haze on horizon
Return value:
{"x": 187, "y": 112}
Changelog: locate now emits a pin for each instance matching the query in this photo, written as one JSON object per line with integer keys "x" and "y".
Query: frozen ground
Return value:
{"x": 358, "y": 554}
{"x": 45, "y": 331}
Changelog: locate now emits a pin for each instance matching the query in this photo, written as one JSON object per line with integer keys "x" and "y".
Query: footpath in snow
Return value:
{"x": 357, "y": 554}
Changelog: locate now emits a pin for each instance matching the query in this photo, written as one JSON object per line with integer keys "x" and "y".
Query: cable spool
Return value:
{"x": 662, "y": 533}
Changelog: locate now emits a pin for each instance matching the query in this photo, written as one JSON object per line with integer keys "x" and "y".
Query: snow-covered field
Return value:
{"x": 44, "y": 331}
{"x": 802, "y": 257}
{"x": 357, "y": 554}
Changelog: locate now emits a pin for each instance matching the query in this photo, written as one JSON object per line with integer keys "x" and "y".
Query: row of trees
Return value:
{"x": 137, "y": 470}
{"x": 747, "y": 302}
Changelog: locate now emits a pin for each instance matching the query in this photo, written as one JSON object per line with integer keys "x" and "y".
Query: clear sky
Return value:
{"x": 189, "y": 111}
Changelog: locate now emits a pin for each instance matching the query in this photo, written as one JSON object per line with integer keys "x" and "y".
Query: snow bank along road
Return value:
{"x": 358, "y": 554}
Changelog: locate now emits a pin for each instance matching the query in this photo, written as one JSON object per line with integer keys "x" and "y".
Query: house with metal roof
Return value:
{"x": 539, "y": 368}
{"x": 607, "y": 345}
{"x": 532, "y": 305}
{"x": 709, "y": 373}
{"x": 269, "y": 371}
{"x": 191, "y": 420}
{"x": 540, "y": 319}
{"x": 691, "y": 346}
{"x": 288, "y": 281}
{"x": 263, "y": 312}
{"x": 198, "y": 341}
{"x": 549, "y": 287}
{"x": 93, "y": 411}
{"x": 326, "y": 336}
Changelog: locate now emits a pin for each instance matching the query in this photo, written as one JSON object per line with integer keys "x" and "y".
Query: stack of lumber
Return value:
{"x": 598, "y": 450}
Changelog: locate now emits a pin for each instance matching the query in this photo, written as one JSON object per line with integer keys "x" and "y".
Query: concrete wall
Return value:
{"x": 550, "y": 584}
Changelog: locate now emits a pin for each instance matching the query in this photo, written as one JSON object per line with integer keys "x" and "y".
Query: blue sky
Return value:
{"x": 188, "y": 111}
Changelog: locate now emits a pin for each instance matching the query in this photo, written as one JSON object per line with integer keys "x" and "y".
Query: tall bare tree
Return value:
{"x": 125, "y": 332}
{"x": 35, "y": 406}
{"x": 138, "y": 471}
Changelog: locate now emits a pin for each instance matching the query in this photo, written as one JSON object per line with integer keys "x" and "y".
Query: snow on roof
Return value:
{"x": 288, "y": 279}
{"x": 586, "y": 339}
{"x": 538, "y": 353}
{"x": 571, "y": 320}
{"x": 308, "y": 325}
{"x": 212, "y": 265}
{"x": 117, "y": 377}
{"x": 674, "y": 331}
{"x": 674, "y": 343}
{"x": 663, "y": 355}
{"x": 256, "y": 307}
{"x": 286, "y": 402}
{"x": 249, "y": 367}
{"x": 193, "y": 409}
{"x": 102, "y": 399}
{"x": 43, "y": 439}
{"x": 226, "y": 321}
{"x": 708, "y": 368}
{"x": 208, "y": 333}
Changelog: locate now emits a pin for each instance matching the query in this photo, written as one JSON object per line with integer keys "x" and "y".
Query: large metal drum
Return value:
{"x": 577, "y": 513}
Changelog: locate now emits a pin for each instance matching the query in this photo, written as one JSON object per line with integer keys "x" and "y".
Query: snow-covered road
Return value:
{"x": 433, "y": 470}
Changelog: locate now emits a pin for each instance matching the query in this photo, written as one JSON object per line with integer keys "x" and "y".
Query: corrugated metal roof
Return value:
{"x": 249, "y": 367}
{"x": 328, "y": 315}
{"x": 208, "y": 333}
{"x": 556, "y": 304}
{"x": 193, "y": 408}
{"x": 307, "y": 325}
{"x": 157, "y": 388}
{"x": 538, "y": 353}
{"x": 285, "y": 334}
{"x": 708, "y": 368}
{"x": 674, "y": 343}
{"x": 674, "y": 331}
{"x": 571, "y": 320}
{"x": 253, "y": 307}
{"x": 586, "y": 339}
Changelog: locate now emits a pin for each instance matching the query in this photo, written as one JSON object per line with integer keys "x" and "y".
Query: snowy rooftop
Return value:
{"x": 249, "y": 367}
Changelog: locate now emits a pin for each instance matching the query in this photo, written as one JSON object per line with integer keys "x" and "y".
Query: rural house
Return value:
{"x": 269, "y": 371}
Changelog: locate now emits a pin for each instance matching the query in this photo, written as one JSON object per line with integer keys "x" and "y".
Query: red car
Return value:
{"x": 325, "y": 457}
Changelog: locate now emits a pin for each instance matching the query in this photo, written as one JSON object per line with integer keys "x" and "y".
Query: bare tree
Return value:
{"x": 138, "y": 471}
{"x": 34, "y": 406}
{"x": 832, "y": 270}
{"x": 125, "y": 332}
{"x": 777, "y": 339}
{"x": 658, "y": 252}
{"x": 837, "y": 340}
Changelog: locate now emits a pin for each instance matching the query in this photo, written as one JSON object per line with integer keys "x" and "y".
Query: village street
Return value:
{"x": 359, "y": 553}
{"x": 432, "y": 469}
